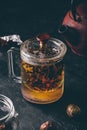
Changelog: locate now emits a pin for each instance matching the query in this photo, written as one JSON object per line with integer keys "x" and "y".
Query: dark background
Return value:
{"x": 29, "y": 18}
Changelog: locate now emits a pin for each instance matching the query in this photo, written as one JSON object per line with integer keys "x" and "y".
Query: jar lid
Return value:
{"x": 43, "y": 49}
{"x": 7, "y": 110}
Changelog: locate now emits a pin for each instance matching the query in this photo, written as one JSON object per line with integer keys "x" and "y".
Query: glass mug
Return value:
{"x": 42, "y": 68}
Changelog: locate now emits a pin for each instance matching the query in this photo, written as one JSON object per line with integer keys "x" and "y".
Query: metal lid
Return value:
{"x": 43, "y": 49}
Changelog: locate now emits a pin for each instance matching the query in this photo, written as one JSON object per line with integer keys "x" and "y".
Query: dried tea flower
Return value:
{"x": 49, "y": 125}
{"x": 73, "y": 110}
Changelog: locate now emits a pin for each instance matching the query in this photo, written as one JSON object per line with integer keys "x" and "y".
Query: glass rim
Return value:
{"x": 31, "y": 57}
{"x": 8, "y": 102}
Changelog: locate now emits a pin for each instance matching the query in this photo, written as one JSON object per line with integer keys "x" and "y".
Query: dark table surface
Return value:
{"x": 28, "y": 19}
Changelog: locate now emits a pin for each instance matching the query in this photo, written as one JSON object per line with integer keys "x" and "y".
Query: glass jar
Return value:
{"x": 42, "y": 68}
{"x": 8, "y": 115}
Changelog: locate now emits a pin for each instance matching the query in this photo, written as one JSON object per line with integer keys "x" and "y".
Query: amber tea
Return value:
{"x": 42, "y": 84}
{"x": 42, "y": 69}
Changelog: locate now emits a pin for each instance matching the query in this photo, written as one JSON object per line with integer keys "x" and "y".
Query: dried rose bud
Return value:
{"x": 73, "y": 110}
{"x": 49, "y": 125}
{"x": 2, "y": 126}
{"x": 42, "y": 38}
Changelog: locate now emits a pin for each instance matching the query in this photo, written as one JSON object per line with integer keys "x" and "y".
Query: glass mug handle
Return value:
{"x": 14, "y": 64}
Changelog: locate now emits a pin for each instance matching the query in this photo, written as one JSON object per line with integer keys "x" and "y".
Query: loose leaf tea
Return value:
{"x": 73, "y": 110}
